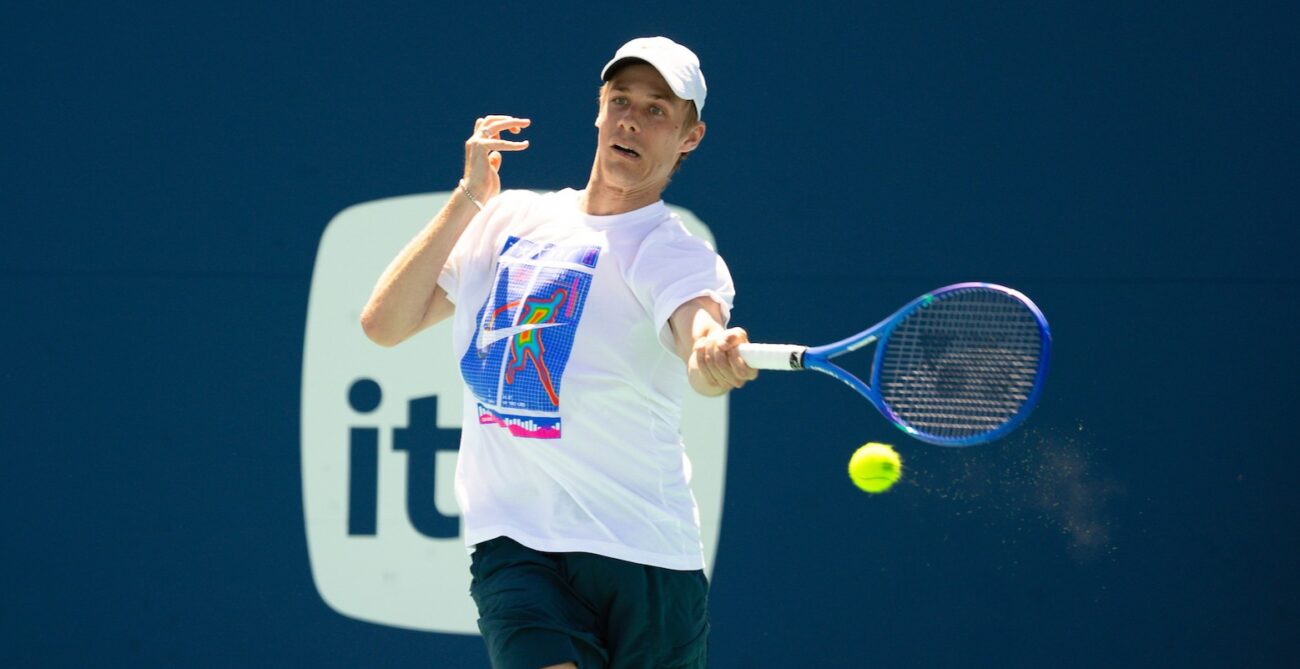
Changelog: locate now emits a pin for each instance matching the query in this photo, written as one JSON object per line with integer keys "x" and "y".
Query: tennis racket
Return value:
{"x": 958, "y": 366}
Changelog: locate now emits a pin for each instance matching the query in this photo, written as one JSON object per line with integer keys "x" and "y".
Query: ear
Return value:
{"x": 600, "y": 103}
{"x": 692, "y": 138}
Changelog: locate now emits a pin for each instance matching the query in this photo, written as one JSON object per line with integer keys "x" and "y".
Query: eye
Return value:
{"x": 657, "y": 110}
{"x": 618, "y": 100}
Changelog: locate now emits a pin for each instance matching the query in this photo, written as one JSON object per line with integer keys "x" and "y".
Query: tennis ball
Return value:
{"x": 875, "y": 467}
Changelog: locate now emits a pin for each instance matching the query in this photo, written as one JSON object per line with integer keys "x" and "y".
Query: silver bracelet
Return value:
{"x": 469, "y": 195}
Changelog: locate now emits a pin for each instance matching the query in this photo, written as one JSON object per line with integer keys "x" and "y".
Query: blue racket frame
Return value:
{"x": 818, "y": 358}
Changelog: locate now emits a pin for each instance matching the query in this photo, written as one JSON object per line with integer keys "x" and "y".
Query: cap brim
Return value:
{"x": 673, "y": 84}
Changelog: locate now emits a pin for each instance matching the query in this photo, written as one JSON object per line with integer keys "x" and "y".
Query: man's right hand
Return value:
{"x": 483, "y": 153}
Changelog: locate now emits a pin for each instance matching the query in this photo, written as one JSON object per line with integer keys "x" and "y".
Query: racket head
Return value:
{"x": 961, "y": 365}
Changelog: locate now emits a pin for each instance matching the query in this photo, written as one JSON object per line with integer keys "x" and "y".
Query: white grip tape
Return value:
{"x": 772, "y": 356}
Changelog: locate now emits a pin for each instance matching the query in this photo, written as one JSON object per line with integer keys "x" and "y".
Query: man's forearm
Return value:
{"x": 402, "y": 301}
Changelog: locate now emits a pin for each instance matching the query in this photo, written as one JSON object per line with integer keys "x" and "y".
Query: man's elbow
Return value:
{"x": 376, "y": 330}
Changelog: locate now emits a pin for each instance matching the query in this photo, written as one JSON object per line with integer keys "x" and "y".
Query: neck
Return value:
{"x": 604, "y": 199}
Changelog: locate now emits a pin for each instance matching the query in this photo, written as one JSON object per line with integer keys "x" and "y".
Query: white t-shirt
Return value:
{"x": 573, "y": 391}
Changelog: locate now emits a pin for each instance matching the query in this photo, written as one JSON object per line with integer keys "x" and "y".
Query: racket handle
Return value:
{"x": 785, "y": 357}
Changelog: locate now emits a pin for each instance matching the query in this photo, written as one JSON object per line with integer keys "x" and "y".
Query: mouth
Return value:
{"x": 630, "y": 153}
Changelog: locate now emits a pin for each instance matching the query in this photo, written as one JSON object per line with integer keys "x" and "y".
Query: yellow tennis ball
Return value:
{"x": 875, "y": 467}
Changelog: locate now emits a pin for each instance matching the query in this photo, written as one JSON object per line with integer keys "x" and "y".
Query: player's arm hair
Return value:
{"x": 407, "y": 297}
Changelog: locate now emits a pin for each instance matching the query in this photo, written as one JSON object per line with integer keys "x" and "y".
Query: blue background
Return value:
{"x": 169, "y": 168}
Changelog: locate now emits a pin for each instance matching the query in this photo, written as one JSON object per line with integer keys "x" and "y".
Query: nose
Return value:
{"x": 628, "y": 120}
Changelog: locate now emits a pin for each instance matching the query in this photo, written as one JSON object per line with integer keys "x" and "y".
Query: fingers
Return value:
{"x": 495, "y": 144}
{"x": 719, "y": 359}
{"x": 712, "y": 364}
{"x": 487, "y": 132}
{"x": 739, "y": 369}
{"x": 500, "y": 144}
{"x": 733, "y": 337}
{"x": 493, "y": 126}
{"x": 483, "y": 152}
{"x": 731, "y": 341}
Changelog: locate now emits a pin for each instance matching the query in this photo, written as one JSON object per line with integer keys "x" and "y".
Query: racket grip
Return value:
{"x": 785, "y": 357}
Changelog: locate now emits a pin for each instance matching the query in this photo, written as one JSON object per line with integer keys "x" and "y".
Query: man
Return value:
{"x": 583, "y": 318}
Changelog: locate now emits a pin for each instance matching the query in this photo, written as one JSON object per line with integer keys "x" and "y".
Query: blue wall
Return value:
{"x": 168, "y": 171}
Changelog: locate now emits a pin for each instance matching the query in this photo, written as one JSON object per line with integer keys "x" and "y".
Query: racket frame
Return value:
{"x": 818, "y": 358}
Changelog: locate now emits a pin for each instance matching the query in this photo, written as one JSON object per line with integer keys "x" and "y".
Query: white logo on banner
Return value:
{"x": 380, "y": 429}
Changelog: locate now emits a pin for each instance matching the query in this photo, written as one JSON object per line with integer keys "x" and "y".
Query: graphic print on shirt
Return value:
{"x": 524, "y": 335}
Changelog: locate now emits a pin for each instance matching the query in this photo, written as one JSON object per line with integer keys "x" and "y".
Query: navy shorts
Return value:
{"x": 537, "y": 609}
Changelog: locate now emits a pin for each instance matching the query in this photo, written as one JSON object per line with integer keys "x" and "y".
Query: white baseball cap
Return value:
{"x": 678, "y": 65}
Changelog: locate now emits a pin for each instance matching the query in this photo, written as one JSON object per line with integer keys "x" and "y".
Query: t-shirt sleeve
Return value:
{"x": 673, "y": 268}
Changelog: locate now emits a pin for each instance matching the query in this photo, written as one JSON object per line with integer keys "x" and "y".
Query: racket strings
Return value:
{"x": 962, "y": 365}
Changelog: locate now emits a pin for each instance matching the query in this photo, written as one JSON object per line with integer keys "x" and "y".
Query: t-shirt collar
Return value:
{"x": 654, "y": 211}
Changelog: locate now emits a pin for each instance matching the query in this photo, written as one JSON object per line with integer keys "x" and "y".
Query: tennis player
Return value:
{"x": 580, "y": 318}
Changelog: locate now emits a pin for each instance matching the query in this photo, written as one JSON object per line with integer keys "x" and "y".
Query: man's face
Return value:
{"x": 642, "y": 129}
